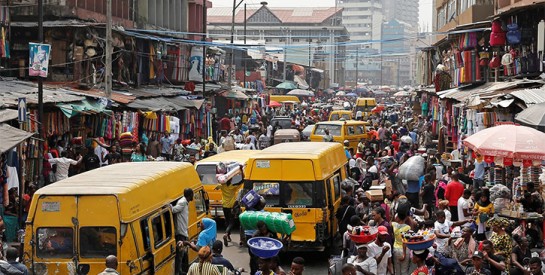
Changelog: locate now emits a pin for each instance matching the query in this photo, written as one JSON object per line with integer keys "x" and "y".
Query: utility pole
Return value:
{"x": 108, "y": 72}
{"x": 204, "y": 48}
{"x": 235, "y": 6}
{"x": 41, "y": 130}
{"x": 245, "y": 57}
{"x": 357, "y": 64}
{"x": 309, "y": 58}
{"x": 285, "y": 53}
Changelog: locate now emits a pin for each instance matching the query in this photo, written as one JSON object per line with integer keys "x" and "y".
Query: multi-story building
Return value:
{"x": 75, "y": 29}
{"x": 306, "y": 36}
{"x": 396, "y": 49}
{"x": 402, "y": 10}
{"x": 451, "y": 13}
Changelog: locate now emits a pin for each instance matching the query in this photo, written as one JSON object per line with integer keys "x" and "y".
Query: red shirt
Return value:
{"x": 453, "y": 192}
{"x": 225, "y": 124}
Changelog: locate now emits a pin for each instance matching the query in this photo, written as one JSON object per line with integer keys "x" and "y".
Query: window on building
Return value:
{"x": 452, "y": 12}
{"x": 268, "y": 40}
{"x": 295, "y": 40}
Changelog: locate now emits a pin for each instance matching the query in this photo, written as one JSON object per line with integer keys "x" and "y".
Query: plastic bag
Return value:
{"x": 412, "y": 169}
{"x": 499, "y": 191}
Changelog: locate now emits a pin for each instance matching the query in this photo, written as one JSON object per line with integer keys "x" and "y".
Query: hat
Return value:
{"x": 90, "y": 52}
{"x": 394, "y": 136}
{"x": 382, "y": 230}
{"x": 90, "y": 43}
{"x": 362, "y": 246}
{"x": 346, "y": 141}
{"x": 478, "y": 254}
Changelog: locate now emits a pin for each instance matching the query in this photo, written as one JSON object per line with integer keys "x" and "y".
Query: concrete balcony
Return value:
{"x": 505, "y": 5}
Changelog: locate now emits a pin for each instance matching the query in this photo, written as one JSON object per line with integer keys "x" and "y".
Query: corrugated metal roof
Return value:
{"x": 8, "y": 114}
{"x": 56, "y": 23}
{"x": 13, "y": 90}
{"x": 530, "y": 96}
{"x": 165, "y": 104}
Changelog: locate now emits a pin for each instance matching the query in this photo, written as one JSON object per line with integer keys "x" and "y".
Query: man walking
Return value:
{"x": 181, "y": 217}
{"x": 166, "y": 146}
{"x": 63, "y": 163}
{"x": 453, "y": 192}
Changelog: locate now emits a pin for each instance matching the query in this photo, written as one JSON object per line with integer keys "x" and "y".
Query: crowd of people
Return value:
{"x": 451, "y": 197}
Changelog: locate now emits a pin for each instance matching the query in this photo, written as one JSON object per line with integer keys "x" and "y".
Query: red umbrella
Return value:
{"x": 509, "y": 141}
{"x": 274, "y": 104}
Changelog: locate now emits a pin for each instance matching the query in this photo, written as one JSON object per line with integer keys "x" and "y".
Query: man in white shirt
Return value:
{"x": 382, "y": 252}
{"x": 181, "y": 214}
{"x": 442, "y": 230}
{"x": 269, "y": 131}
{"x": 465, "y": 206}
{"x": 63, "y": 163}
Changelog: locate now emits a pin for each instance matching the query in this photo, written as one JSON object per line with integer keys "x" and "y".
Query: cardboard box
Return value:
{"x": 374, "y": 195}
{"x": 374, "y": 183}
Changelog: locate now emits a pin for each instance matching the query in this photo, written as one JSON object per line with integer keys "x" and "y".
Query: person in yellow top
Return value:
{"x": 401, "y": 260}
{"x": 483, "y": 210}
{"x": 229, "y": 201}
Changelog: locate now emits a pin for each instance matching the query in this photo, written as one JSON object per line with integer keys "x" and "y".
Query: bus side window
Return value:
{"x": 350, "y": 130}
{"x": 337, "y": 186}
{"x": 145, "y": 233}
{"x": 167, "y": 217}
{"x": 157, "y": 230}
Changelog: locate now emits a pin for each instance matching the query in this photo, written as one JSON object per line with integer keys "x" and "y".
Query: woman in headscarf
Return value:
{"x": 207, "y": 237}
{"x": 503, "y": 244}
{"x": 483, "y": 210}
{"x": 204, "y": 266}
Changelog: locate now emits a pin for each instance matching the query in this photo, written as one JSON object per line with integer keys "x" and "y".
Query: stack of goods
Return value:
{"x": 420, "y": 240}
{"x": 276, "y": 222}
{"x": 535, "y": 171}
{"x": 264, "y": 247}
{"x": 362, "y": 234}
{"x": 498, "y": 175}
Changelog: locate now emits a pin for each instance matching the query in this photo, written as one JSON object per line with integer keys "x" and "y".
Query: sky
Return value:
{"x": 425, "y": 6}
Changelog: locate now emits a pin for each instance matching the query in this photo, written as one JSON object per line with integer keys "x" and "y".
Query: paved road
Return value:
{"x": 316, "y": 263}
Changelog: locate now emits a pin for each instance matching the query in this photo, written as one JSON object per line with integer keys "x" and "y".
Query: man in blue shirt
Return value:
{"x": 478, "y": 177}
{"x": 166, "y": 146}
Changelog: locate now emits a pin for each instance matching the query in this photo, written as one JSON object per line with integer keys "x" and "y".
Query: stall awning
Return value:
{"x": 85, "y": 107}
{"x": 8, "y": 114}
{"x": 165, "y": 104}
{"x": 234, "y": 94}
{"x": 11, "y": 137}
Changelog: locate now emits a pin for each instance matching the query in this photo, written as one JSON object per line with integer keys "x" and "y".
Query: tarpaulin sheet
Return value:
{"x": 11, "y": 137}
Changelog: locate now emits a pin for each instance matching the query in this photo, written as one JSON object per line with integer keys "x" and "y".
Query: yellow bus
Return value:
{"x": 351, "y": 130}
{"x": 303, "y": 179}
{"x": 122, "y": 209}
{"x": 285, "y": 98}
{"x": 206, "y": 169}
{"x": 338, "y": 114}
{"x": 365, "y": 105}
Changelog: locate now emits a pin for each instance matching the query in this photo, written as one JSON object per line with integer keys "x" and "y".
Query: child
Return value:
{"x": 442, "y": 230}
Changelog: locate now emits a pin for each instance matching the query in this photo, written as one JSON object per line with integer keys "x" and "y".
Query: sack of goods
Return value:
{"x": 126, "y": 139}
{"x": 276, "y": 222}
{"x": 412, "y": 169}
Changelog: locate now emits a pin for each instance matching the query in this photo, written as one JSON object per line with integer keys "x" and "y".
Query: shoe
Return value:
{"x": 229, "y": 238}
{"x": 225, "y": 241}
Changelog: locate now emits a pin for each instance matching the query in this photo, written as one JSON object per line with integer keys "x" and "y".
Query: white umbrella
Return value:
{"x": 300, "y": 92}
{"x": 341, "y": 93}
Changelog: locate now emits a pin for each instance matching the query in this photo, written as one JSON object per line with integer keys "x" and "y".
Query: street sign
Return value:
{"x": 21, "y": 109}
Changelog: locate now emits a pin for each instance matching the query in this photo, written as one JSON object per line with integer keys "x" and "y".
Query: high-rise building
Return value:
{"x": 402, "y": 10}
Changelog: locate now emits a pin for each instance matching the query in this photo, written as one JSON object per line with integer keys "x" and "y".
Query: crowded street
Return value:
{"x": 204, "y": 137}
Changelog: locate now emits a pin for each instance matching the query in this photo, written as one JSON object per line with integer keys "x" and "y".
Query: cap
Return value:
{"x": 362, "y": 246}
{"x": 382, "y": 230}
{"x": 346, "y": 141}
{"x": 478, "y": 254}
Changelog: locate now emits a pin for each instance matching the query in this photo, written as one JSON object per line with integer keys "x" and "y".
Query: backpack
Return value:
{"x": 497, "y": 39}
{"x": 496, "y": 26}
{"x": 513, "y": 34}
{"x": 229, "y": 143}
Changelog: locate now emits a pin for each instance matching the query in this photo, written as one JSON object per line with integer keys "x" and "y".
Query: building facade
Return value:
{"x": 305, "y": 36}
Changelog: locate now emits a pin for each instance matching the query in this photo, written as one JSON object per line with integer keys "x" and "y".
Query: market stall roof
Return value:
{"x": 56, "y": 23}
{"x": 11, "y": 136}
{"x": 487, "y": 90}
{"x": 86, "y": 107}
{"x": 234, "y": 94}
{"x": 8, "y": 114}
{"x": 129, "y": 95}
{"x": 530, "y": 96}
{"x": 165, "y": 104}
{"x": 13, "y": 90}
{"x": 534, "y": 115}
{"x": 210, "y": 87}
